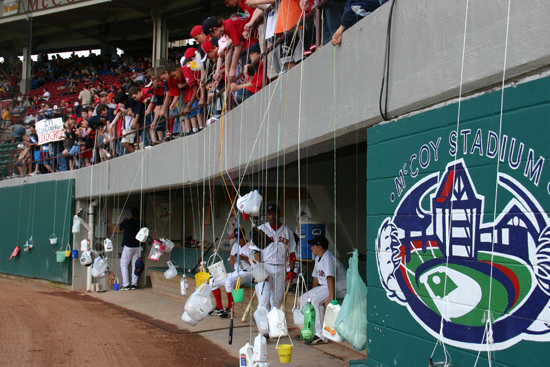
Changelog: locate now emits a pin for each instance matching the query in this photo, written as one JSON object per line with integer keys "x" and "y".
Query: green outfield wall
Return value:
{"x": 38, "y": 210}
{"x": 458, "y": 232}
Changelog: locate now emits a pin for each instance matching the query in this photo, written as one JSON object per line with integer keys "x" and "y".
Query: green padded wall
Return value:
{"x": 449, "y": 238}
{"x": 38, "y": 210}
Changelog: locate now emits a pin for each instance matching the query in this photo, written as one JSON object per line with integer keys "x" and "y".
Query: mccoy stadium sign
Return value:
{"x": 20, "y": 9}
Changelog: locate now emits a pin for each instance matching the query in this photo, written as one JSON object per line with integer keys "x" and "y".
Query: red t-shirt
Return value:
{"x": 248, "y": 10}
{"x": 160, "y": 90}
{"x": 190, "y": 79}
{"x": 173, "y": 88}
{"x": 234, "y": 27}
{"x": 257, "y": 79}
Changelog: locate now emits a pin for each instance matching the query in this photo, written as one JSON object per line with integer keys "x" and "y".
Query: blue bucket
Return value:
{"x": 308, "y": 230}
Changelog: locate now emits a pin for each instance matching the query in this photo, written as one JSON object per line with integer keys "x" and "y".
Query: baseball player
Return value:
{"x": 277, "y": 241}
{"x": 239, "y": 259}
{"x": 329, "y": 280}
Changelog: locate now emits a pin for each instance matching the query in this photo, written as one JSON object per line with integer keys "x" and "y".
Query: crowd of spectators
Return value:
{"x": 105, "y": 117}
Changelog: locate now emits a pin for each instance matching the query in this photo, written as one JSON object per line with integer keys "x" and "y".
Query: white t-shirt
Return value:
{"x": 244, "y": 252}
{"x": 324, "y": 267}
{"x": 128, "y": 120}
{"x": 46, "y": 96}
{"x": 275, "y": 252}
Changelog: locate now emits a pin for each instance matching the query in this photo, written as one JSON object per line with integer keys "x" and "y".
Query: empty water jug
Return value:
{"x": 260, "y": 348}
{"x": 277, "y": 323}
{"x": 108, "y": 245}
{"x": 262, "y": 320}
{"x": 142, "y": 234}
{"x": 198, "y": 305}
{"x": 331, "y": 314}
{"x": 253, "y": 203}
{"x": 171, "y": 272}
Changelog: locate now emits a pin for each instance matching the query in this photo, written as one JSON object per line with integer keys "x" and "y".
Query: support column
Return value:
{"x": 26, "y": 76}
{"x": 160, "y": 39}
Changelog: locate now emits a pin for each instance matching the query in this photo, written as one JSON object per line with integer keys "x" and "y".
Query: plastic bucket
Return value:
{"x": 284, "y": 351}
{"x": 116, "y": 285}
{"x": 68, "y": 251}
{"x": 53, "y": 239}
{"x": 218, "y": 270}
{"x": 60, "y": 256}
{"x": 75, "y": 254}
{"x": 308, "y": 230}
{"x": 238, "y": 294}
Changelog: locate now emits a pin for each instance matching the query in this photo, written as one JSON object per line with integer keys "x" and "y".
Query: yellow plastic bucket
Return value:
{"x": 201, "y": 277}
{"x": 238, "y": 295}
{"x": 284, "y": 351}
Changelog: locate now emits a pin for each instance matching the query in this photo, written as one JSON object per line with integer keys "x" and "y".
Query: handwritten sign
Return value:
{"x": 49, "y": 130}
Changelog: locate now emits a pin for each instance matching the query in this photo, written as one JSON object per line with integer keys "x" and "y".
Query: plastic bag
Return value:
{"x": 351, "y": 323}
{"x": 156, "y": 251}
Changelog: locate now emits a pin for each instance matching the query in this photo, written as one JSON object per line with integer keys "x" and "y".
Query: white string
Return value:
{"x": 488, "y": 315}
{"x": 441, "y": 337}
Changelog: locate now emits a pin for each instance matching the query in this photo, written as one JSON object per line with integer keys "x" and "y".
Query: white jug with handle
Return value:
{"x": 277, "y": 323}
{"x": 260, "y": 348}
{"x": 261, "y": 320}
{"x": 261, "y": 364}
{"x": 142, "y": 234}
{"x": 171, "y": 272}
{"x": 108, "y": 245}
{"x": 84, "y": 245}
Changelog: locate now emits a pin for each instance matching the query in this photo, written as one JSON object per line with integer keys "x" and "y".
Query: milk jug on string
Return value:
{"x": 84, "y": 245}
{"x": 277, "y": 323}
{"x": 308, "y": 330}
{"x": 258, "y": 270}
{"x": 142, "y": 234}
{"x": 329, "y": 328}
{"x": 76, "y": 224}
{"x": 253, "y": 203}
{"x": 183, "y": 286}
{"x": 246, "y": 354}
{"x": 260, "y": 349}
{"x": 262, "y": 320}
{"x": 108, "y": 245}
{"x": 198, "y": 305}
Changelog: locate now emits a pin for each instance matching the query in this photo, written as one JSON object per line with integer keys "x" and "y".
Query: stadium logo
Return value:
{"x": 453, "y": 270}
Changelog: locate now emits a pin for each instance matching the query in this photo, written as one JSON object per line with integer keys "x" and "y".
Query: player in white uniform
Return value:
{"x": 280, "y": 242}
{"x": 239, "y": 259}
{"x": 329, "y": 282}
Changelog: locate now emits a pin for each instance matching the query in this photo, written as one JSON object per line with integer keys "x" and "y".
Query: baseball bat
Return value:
{"x": 283, "y": 306}
{"x": 231, "y": 328}
{"x": 247, "y": 311}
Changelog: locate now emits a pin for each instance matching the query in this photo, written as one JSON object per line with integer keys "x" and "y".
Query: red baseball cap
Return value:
{"x": 190, "y": 52}
{"x": 196, "y": 30}
{"x": 79, "y": 120}
{"x": 207, "y": 46}
{"x": 73, "y": 117}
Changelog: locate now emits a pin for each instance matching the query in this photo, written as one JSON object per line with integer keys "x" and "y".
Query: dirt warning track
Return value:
{"x": 44, "y": 326}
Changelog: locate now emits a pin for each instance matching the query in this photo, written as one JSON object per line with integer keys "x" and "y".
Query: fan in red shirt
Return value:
{"x": 233, "y": 28}
{"x": 193, "y": 123}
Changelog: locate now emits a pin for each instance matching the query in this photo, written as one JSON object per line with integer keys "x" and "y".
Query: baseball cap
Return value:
{"x": 103, "y": 94}
{"x": 79, "y": 120}
{"x": 196, "y": 30}
{"x": 319, "y": 241}
{"x": 207, "y": 46}
{"x": 255, "y": 48}
{"x": 72, "y": 117}
{"x": 209, "y": 24}
{"x": 190, "y": 52}
{"x": 236, "y": 233}
{"x": 272, "y": 208}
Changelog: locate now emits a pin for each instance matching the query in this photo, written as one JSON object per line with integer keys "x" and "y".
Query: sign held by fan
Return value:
{"x": 249, "y": 205}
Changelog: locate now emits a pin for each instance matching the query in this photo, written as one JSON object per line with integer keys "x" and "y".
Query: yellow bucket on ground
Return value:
{"x": 201, "y": 277}
{"x": 284, "y": 351}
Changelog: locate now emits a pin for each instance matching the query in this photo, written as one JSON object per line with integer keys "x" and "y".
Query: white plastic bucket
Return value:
{"x": 53, "y": 239}
{"x": 171, "y": 272}
{"x": 217, "y": 270}
{"x": 142, "y": 234}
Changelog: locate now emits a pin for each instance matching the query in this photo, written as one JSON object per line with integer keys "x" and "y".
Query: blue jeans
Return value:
{"x": 177, "y": 123}
{"x": 62, "y": 162}
{"x": 332, "y": 12}
{"x": 243, "y": 95}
